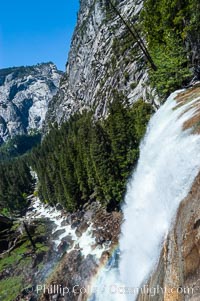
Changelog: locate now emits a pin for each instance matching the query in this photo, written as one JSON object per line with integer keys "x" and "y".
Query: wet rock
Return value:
{"x": 88, "y": 267}
{"x": 30, "y": 209}
{"x": 75, "y": 269}
{"x": 104, "y": 257}
{"x": 56, "y": 234}
{"x": 66, "y": 243}
{"x": 100, "y": 240}
{"x": 81, "y": 228}
{"x": 85, "y": 206}
{"x": 75, "y": 224}
{"x": 88, "y": 215}
{"x": 107, "y": 226}
{"x": 59, "y": 207}
{"x": 65, "y": 222}
{"x": 63, "y": 246}
{"x": 69, "y": 219}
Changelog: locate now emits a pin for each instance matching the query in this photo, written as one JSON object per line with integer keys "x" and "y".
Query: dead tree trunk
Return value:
{"x": 29, "y": 236}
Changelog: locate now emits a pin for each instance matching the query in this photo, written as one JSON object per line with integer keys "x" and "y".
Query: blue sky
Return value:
{"x": 36, "y": 31}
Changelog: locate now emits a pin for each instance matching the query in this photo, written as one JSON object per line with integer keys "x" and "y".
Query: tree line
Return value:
{"x": 86, "y": 159}
{"x": 83, "y": 160}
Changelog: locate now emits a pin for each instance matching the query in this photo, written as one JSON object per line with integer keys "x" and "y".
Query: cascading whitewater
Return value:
{"x": 169, "y": 162}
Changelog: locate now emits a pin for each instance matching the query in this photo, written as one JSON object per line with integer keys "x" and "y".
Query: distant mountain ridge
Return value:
{"x": 25, "y": 93}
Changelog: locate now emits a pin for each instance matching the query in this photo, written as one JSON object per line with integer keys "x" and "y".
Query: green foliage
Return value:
{"x": 18, "y": 262}
{"x": 173, "y": 70}
{"x": 133, "y": 85}
{"x": 170, "y": 27}
{"x": 126, "y": 76}
{"x": 87, "y": 159}
{"x": 10, "y": 287}
{"x": 10, "y": 260}
{"x": 15, "y": 183}
{"x": 5, "y": 212}
{"x": 19, "y": 145}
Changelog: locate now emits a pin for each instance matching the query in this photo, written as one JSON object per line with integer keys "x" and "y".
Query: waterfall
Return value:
{"x": 168, "y": 164}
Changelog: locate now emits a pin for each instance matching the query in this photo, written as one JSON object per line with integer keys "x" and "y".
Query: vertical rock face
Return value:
{"x": 103, "y": 57}
{"x": 25, "y": 93}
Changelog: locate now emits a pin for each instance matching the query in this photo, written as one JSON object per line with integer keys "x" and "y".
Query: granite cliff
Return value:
{"x": 25, "y": 93}
{"x": 103, "y": 57}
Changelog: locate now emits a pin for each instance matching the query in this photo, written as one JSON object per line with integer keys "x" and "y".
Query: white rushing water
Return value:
{"x": 168, "y": 164}
{"x": 86, "y": 242}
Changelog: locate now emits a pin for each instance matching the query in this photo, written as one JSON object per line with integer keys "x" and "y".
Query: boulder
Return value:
{"x": 65, "y": 244}
{"x": 81, "y": 228}
{"x": 59, "y": 207}
{"x": 56, "y": 234}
